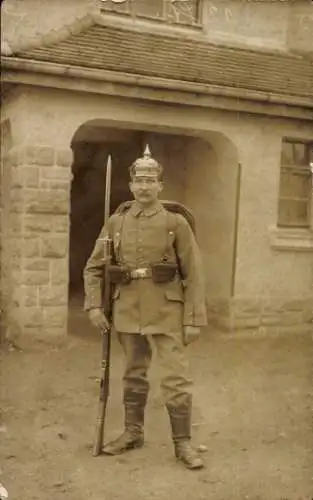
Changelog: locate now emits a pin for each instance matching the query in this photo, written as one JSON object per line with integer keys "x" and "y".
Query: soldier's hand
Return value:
{"x": 191, "y": 334}
{"x": 98, "y": 319}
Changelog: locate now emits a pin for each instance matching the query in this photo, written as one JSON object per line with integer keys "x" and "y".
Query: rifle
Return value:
{"x": 106, "y": 340}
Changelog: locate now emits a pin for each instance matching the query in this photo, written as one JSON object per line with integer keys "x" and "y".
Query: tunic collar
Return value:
{"x": 136, "y": 210}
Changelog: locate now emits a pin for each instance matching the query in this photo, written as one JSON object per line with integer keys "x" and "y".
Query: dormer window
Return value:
{"x": 182, "y": 12}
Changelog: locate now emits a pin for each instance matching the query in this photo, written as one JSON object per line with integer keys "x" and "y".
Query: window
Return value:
{"x": 295, "y": 184}
{"x": 185, "y": 12}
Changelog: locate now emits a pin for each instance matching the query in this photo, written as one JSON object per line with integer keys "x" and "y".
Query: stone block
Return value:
{"x": 37, "y": 223}
{"x": 53, "y": 295}
{"x": 246, "y": 305}
{"x": 241, "y": 323}
{"x": 34, "y": 278}
{"x": 39, "y": 155}
{"x": 49, "y": 201}
{"x": 307, "y": 303}
{"x": 36, "y": 265}
{"x": 54, "y": 246}
{"x": 61, "y": 185}
{"x": 270, "y": 320}
{"x": 296, "y": 329}
{"x": 64, "y": 158}
{"x": 25, "y": 296}
{"x": 15, "y": 248}
{"x": 297, "y": 305}
{"x": 30, "y": 331}
{"x": 307, "y": 315}
{"x": 31, "y": 316}
{"x": 31, "y": 248}
{"x": 13, "y": 319}
{"x": 59, "y": 271}
{"x": 273, "y": 305}
{"x": 16, "y": 200}
{"x": 291, "y": 318}
{"x": 55, "y": 173}
{"x": 269, "y": 330}
{"x": 55, "y": 316}
{"x": 30, "y": 176}
{"x": 17, "y": 177}
{"x": 24, "y": 176}
{"x": 61, "y": 224}
{"x": 12, "y": 158}
{"x": 15, "y": 223}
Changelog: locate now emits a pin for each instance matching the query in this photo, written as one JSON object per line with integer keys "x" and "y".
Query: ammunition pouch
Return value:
{"x": 119, "y": 274}
{"x": 163, "y": 272}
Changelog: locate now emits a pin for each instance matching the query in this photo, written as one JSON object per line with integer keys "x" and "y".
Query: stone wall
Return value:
{"x": 36, "y": 243}
{"x": 262, "y": 315}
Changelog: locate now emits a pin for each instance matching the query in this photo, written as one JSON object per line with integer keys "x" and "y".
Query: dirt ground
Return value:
{"x": 252, "y": 410}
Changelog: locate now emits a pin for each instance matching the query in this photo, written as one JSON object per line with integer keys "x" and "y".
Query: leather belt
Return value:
{"x": 141, "y": 273}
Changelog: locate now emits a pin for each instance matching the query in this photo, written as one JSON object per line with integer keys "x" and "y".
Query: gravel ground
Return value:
{"x": 252, "y": 410}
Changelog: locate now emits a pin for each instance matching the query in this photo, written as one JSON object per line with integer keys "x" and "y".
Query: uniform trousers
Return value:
{"x": 176, "y": 385}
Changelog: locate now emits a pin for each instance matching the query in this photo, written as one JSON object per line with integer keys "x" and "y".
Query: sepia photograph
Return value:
{"x": 156, "y": 250}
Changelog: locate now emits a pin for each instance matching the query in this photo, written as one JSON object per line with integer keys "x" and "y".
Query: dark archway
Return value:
{"x": 91, "y": 148}
{"x": 201, "y": 172}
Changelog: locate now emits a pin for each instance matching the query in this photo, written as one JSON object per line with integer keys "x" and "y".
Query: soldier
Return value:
{"x": 158, "y": 301}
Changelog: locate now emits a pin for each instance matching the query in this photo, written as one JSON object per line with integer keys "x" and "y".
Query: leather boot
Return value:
{"x": 180, "y": 418}
{"x": 133, "y": 435}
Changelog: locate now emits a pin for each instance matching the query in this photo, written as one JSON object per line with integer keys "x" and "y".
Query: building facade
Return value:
{"x": 223, "y": 94}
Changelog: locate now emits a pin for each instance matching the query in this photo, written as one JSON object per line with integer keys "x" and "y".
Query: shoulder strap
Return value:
{"x": 178, "y": 208}
{"x": 171, "y": 227}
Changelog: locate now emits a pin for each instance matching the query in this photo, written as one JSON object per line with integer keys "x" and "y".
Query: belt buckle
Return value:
{"x": 141, "y": 272}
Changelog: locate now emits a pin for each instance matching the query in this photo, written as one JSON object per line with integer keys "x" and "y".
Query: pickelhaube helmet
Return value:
{"x": 146, "y": 166}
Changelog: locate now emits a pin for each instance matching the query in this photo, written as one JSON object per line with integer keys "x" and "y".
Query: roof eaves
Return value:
{"x": 58, "y": 69}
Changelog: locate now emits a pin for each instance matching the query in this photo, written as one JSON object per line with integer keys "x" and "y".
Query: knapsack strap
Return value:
{"x": 171, "y": 226}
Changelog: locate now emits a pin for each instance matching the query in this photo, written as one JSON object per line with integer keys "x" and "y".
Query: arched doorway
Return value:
{"x": 198, "y": 171}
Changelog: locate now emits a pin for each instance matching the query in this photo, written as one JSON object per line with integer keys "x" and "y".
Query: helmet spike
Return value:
{"x": 147, "y": 152}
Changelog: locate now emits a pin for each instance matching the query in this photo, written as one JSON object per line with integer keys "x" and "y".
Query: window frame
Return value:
{"x": 305, "y": 170}
{"x": 132, "y": 14}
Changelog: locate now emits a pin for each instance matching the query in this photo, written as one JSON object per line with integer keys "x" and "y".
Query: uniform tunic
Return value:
{"x": 141, "y": 238}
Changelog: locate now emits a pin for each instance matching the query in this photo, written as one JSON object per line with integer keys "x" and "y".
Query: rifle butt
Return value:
{"x": 98, "y": 442}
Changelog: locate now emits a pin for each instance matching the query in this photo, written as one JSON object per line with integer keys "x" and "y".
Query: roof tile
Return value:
{"x": 187, "y": 60}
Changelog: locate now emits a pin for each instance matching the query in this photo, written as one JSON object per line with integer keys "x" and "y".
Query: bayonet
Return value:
{"x": 106, "y": 337}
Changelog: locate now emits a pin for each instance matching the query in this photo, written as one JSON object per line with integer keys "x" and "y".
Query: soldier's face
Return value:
{"x": 145, "y": 189}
